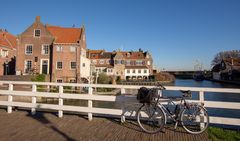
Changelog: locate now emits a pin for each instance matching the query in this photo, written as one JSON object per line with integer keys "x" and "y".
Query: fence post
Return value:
{"x": 90, "y": 92}
{"x": 201, "y": 96}
{"x": 34, "y": 99}
{"x": 60, "y": 101}
{"x": 202, "y": 116}
{"x": 123, "y": 105}
{"x": 160, "y": 93}
{"x": 10, "y": 98}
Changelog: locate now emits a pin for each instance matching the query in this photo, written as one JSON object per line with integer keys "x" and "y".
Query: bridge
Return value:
{"x": 182, "y": 74}
{"x": 36, "y": 120}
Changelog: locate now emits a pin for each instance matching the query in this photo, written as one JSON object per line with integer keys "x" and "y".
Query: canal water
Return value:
{"x": 224, "y": 97}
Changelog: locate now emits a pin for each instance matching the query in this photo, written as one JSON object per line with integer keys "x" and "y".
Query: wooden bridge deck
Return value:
{"x": 21, "y": 125}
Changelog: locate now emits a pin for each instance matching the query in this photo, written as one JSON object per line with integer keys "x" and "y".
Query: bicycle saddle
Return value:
{"x": 187, "y": 91}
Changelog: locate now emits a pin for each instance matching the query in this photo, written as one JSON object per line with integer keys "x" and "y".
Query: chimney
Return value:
{"x": 37, "y": 19}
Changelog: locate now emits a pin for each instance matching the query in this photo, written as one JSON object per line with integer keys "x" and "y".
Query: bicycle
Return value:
{"x": 152, "y": 115}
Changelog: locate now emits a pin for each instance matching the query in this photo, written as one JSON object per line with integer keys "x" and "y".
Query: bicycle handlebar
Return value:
{"x": 160, "y": 86}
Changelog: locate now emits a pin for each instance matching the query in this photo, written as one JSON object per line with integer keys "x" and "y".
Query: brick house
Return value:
{"x": 125, "y": 65}
{"x": 52, "y": 50}
{"x": 33, "y": 50}
{"x": 227, "y": 69}
{"x": 68, "y": 51}
{"x": 8, "y": 43}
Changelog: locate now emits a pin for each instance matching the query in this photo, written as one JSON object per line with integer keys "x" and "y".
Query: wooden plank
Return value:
{"x": 64, "y": 108}
{"x": 224, "y": 105}
{"x": 175, "y": 88}
{"x": 223, "y": 120}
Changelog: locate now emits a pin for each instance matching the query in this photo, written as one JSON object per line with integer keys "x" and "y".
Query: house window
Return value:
{"x": 72, "y": 81}
{"x": 101, "y": 62}
{"x": 83, "y": 64}
{"x": 59, "y": 80}
{"x": 94, "y": 62}
{"x": 139, "y": 62}
{"x": 109, "y": 70}
{"x": 28, "y": 49}
{"x": 45, "y": 49}
{"x": 37, "y": 32}
{"x": 72, "y": 49}
{"x": 139, "y": 71}
{"x": 128, "y": 71}
{"x": 4, "y": 53}
{"x": 59, "y": 65}
{"x": 59, "y": 48}
{"x": 145, "y": 71}
{"x": 134, "y": 71}
{"x": 73, "y": 65}
{"x": 128, "y": 62}
{"x": 28, "y": 66}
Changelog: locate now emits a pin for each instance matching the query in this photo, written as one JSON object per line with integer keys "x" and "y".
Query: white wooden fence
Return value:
{"x": 90, "y": 110}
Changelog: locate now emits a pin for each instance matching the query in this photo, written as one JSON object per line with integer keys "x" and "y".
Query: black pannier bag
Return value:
{"x": 144, "y": 95}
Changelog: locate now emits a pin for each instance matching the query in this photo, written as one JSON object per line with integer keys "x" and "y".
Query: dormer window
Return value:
{"x": 37, "y": 33}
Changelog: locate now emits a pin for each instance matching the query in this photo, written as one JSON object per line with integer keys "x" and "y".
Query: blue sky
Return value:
{"x": 176, "y": 33}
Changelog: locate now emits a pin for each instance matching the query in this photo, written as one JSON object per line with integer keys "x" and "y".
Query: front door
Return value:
{"x": 44, "y": 67}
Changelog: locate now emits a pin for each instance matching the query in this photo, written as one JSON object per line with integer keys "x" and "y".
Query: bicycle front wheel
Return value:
{"x": 150, "y": 118}
{"x": 195, "y": 119}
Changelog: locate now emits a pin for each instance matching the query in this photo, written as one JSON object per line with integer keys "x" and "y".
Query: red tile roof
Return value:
{"x": 65, "y": 35}
{"x": 101, "y": 54}
{"x": 7, "y": 39}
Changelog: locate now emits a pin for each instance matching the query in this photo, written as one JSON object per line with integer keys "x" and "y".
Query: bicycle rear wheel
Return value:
{"x": 150, "y": 118}
{"x": 195, "y": 119}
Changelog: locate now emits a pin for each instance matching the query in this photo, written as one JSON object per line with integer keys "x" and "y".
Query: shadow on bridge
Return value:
{"x": 39, "y": 116}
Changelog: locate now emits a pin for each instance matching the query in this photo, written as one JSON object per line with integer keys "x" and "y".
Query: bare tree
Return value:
{"x": 224, "y": 55}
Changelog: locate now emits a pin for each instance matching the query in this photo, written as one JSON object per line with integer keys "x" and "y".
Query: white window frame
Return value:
{"x": 25, "y": 65}
{"x": 134, "y": 71}
{"x": 94, "y": 62}
{"x": 73, "y": 49}
{"x": 44, "y": 51}
{"x": 128, "y": 62}
{"x": 59, "y": 48}
{"x": 71, "y": 65}
{"x": 4, "y": 54}
{"x": 35, "y": 33}
{"x": 41, "y": 65}
{"x": 101, "y": 61}
{"x": 145, "y": 71}
{"x": 58, "y": 80}
{"x": 26, "y": 49}
{"x": 57, "y": 65}
{"x": 139, "y": 71}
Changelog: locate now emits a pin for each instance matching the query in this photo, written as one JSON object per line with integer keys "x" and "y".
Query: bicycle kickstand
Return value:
{"x": 176, "y": 124}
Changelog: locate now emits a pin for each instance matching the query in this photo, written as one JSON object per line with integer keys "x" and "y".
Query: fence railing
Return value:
{"x": 123, "y": 99}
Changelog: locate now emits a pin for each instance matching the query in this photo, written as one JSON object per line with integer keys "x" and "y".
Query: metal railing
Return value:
{"x": 90, "y": 97}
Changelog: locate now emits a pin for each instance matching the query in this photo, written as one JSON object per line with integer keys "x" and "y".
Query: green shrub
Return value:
{"x": 219, "y": 134}
{"x": 38, "y": 78}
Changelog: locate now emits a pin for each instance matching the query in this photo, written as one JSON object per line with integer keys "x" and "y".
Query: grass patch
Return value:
{"x": 219, "y": 134}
